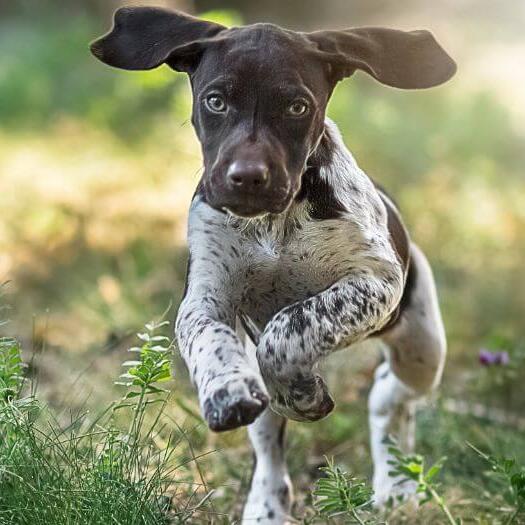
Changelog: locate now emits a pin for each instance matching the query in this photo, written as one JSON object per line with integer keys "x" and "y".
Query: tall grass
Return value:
{"x": 92, "y": 470}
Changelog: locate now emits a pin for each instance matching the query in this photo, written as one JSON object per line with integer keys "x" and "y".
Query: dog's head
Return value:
{"x": 260, "y": 92}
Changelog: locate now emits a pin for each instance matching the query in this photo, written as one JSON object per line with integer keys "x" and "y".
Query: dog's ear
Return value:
{"x": 146, "y": 37}
{"x": 402, "y": 59}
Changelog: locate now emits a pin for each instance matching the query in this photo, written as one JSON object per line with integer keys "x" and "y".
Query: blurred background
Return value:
{"x": 97, "y": 169}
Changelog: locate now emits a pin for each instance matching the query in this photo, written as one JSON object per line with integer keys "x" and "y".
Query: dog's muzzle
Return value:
{"x": 249, "y": 188}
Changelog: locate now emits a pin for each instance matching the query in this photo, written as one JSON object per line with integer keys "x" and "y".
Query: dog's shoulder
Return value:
{"x": 334, "y": 187}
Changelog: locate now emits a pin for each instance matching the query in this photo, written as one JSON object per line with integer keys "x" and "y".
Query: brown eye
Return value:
{"x": 215, "y": 103}
{"x": 298, "y": 108}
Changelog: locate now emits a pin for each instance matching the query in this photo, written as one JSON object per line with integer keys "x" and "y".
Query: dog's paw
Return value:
{"x": 235, "y": 403}
{"x": 305, "y": 398}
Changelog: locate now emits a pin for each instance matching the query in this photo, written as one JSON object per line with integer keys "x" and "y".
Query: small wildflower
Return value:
{"x": 489, "y": 358}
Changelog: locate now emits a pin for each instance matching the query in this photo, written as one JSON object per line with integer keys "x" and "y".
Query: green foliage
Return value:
{"x": 502, "y": 501}
{"x": 510, "y": 496}
{"x": 411, "y": 467}
{"x": 11, "y": 368}
{"x": 91, "y": 471}
{"x": 152, "y": 366}
{"x": 339, "y": 494}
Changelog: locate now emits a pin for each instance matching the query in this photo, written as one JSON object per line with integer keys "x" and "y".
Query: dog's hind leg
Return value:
{"x": 270, "y": 496}
{"x": 415, "y": 356}
{"x": 391, "y": 414}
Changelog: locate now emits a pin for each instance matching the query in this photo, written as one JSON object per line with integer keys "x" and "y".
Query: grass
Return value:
{"x": 134, "y": 463}
{"x": 339, "y": 494}
{"x": 95, "y": 470}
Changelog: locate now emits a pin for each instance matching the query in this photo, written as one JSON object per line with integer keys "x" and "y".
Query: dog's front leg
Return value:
{"x": 231, "y": 390}
{"x": 231, "y": 393}
{"x": 302, "y": 333}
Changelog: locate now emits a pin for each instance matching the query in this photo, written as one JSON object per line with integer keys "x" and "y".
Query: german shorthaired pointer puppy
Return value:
{"x": 294, "y": 252}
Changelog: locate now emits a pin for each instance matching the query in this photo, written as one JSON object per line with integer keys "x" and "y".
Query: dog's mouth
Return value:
{"x": 245, "y": 213}
{"x": 250, "y": 206}
{"x": 250, "y": 211}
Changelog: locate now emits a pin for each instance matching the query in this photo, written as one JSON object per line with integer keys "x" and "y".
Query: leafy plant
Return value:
{"x": 11, "y": 368}
{"x": 512, "y": 482}
{"x": 338, "y": 493}
{"x": 412, "y": 467}
{"x": 11, "y": 364}
{"x": 151, "y": 366}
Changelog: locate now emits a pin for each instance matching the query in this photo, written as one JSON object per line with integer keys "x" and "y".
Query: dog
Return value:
{"x": 294, "y": 251}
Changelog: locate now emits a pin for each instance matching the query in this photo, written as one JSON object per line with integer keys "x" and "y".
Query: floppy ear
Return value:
{"x": 146, "y": 37}
{"x": 402, "y": 59}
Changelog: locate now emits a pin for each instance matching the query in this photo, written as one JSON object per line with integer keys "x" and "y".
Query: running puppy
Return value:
{"x": 290, "y": 241}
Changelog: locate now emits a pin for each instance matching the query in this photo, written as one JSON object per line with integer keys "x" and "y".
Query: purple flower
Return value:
{"x": 488, "y": 358}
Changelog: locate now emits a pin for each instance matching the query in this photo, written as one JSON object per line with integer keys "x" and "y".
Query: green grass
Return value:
{"x": 76, "y": 469}
{"x": 133, "y": 463}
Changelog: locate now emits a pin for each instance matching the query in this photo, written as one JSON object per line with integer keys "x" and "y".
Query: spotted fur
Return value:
{"x": 323, "y": 275}
{"x": 311, "y": 285}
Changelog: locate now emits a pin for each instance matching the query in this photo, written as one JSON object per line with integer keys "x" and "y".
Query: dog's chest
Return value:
{"x": 280, "y": 271}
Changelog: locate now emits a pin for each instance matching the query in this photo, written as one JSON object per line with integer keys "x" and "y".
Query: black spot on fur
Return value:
{"x": 320, "y": 196}
{"x": 322, "y": 202}
{"x": 281, "y": 435}
{"x": 284, "y": 495}
{"x": 298, "y": 320}
{"x": 339, "y": 303}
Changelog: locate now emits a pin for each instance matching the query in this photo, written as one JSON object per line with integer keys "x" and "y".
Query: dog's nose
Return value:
{"x": 248, "y": 175}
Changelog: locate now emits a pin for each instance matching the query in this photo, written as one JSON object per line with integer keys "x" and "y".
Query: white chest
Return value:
{"x": 279, "y": 272}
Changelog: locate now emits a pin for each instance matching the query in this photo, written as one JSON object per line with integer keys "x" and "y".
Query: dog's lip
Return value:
{"x": 254, "y": 206}
{"x": 250, "y": 206}
{"x": 250, "y": 212}
{"x": 245, "y": 214}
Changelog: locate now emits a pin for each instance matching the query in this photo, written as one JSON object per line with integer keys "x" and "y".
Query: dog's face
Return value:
{"x": 260, "y": 92}
{"x": 258, "y": 110}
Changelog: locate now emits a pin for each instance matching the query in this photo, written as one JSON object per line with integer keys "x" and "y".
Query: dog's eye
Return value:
{"x": 215, "y": 103}
{"x": 297, "y": 108}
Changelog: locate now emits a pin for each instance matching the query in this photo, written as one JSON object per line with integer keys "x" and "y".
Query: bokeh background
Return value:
{"x": 97, "y": 169}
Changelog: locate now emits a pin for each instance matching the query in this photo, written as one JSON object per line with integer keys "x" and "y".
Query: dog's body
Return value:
{"x": 294, "y": 252}
{"x": 272, "y": 267}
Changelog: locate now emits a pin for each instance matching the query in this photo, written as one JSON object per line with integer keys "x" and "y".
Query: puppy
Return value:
{"x": 290, "y": 241}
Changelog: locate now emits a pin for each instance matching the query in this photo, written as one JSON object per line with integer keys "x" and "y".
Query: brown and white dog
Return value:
{"x": 290, "y": 241}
